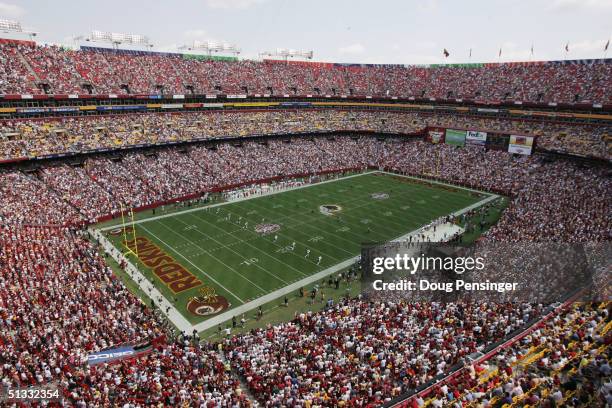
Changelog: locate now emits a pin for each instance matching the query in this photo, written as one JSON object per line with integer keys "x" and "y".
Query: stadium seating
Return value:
{"x": 61, "y": 301}
{"x": 100, "y": 185}
{"x": 360, "y": 354}
{"x": 344, "y": 356}
{"x": 56, "y": 136}
{"x": 566, "y": 362}
{"x": 105, "y": 71}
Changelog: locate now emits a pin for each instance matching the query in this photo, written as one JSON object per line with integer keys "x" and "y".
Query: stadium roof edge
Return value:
{"x": 324, "y": 63}
{"x": 455, "y": 65}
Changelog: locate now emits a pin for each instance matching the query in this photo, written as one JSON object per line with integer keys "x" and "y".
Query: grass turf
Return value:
{"x": 219, "y": 245}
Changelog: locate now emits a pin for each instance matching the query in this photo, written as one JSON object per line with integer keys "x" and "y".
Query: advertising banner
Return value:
{"x": 172, "y": 105}
{"x": 476, "y": 138}
{"x": 120, "y": 107}
{"x": 520, "y": 144}
{"x": 435, "y": 135}
{"x": 119, "y": 353}
{"x": 108, "y": 356}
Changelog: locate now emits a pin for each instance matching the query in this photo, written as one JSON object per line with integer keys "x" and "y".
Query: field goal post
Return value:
{"x": 436, "y": 169}
{"x": 124, "y": 225}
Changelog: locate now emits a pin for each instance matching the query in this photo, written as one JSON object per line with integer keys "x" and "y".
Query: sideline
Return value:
{"x": 177, "y": 318}
{"x": 145, "y": 285}
{"x": 269, "y": 193}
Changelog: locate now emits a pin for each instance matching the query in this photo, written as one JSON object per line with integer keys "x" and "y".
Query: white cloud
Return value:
{"x": 11, "y": 10}
{"x": 197, "y": 34}
{"x": 353, "y": 49}
{"x": 425, "y": 44}
{"x": 233, "y": 4}
{"x": 581, "y": 5}
{"x": 513, "y": 52}
{"x": 587, "y": 46}
{"x": 427, "y": 6}
{"x": 167, "y": 47}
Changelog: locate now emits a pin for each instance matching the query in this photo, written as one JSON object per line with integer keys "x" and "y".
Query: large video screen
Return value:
{"x": 455, "y": 137}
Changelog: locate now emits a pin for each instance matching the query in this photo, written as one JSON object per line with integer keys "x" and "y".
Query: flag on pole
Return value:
{"x": 607, "y": 45}
{"x": 470, "y": 53}
{"x": 567, "y": 47}
{"x": 532, "y": 50}
{"x": 499, "y": 55}
{"x": 446, "y": 53}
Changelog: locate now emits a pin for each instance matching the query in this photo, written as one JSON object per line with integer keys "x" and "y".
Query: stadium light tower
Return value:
{"x": 210, "y": 47}
{"x": 11, "y": 26}
{"x": 287, "y": 53}
{"x": 116, "y": 39}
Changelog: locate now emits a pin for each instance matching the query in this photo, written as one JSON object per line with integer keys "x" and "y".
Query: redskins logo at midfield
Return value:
{"x": 330, "y": 209}
{"x": 265, "y": 229}
{"x": 379, "y": 196}
{"x": 207, "y": 303}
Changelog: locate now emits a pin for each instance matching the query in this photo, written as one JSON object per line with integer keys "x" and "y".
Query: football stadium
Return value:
{"x": 356, "y": 224}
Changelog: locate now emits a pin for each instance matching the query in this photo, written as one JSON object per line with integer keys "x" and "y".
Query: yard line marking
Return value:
{"x": 211, "y": 255}
{"x": 237, "y": 253}
{"x": 327, "y": 221}
{"x": 291, "y": 216}
{"x": 247, "y": 242}
{"x": 347, "y": 213}
{"x": 279, "y": 246}
{"x": 292, "y": 287}
{"x": 240, "y": 199}
{"x": 295, "y": 216}
{"x": 191, "y": 263}
{"x": 178, "y": 319}
{"x": 149, "y": 290}
{"x": 331, "y": 233}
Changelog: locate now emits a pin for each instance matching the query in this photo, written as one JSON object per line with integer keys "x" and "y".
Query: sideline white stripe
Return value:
{"x": 179, "y": 320}
{"x": 434, "y": 236}
{"x": 145, "y": 285}
{"x": 157, "y": 217}
{"x": 191, "y": 263}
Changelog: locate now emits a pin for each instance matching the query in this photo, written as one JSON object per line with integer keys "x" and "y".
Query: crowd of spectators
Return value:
{"x": 576, "y": 209}
{"x": 30, "y": 138}
{"x": 182, "y": 373}
{"x": 565, "y": 362}
{"x": 39, "y": 138}
{"x": 362, "y": 354}
{"x": 25, "y": 199}
{"x": 14, "y": 75}
{"x": 552, "y": 201}
{"x": 100, "y": 71}
{"x": 59, "y": 300}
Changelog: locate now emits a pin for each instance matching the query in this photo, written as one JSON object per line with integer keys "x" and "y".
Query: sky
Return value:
{"x": 354, "y": 31}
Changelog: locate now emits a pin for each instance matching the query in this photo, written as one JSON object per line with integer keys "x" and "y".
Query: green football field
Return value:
{"x": 230, "y": 254}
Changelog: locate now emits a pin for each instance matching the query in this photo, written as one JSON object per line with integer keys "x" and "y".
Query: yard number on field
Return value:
{"x": 249, "y": 262}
